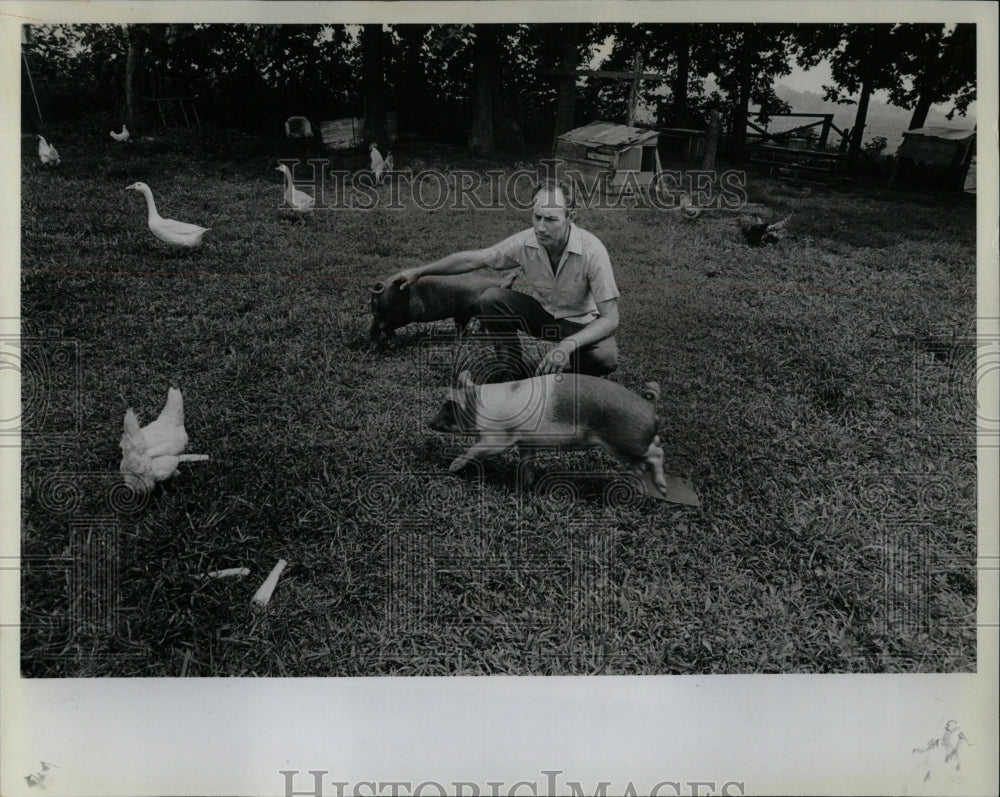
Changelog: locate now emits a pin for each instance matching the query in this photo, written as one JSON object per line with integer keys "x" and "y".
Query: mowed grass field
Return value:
{"x": 818, "y": 393}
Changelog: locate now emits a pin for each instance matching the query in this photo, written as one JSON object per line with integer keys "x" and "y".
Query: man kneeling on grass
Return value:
{"x": 567, "y": 293}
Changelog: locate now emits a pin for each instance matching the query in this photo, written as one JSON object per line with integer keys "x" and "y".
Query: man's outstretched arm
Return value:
{"x": 455, "y": 263}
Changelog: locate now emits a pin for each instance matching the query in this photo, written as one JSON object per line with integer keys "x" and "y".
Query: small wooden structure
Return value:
{"x": 687, "y": 143}
{"x": 946, "y": 152}
{"x": 605, "y": 148}
{"x": 298, "y": 127}
{"x": 349, "y": 132}
{"x": 970, "y": 177}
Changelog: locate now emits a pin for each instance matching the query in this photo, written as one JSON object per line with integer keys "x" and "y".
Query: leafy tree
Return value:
{"x": 76, "y": 69}
{"x": 942, "y": 66}
{"x": 750, "y": 57}
{"x": 863, "y": 59}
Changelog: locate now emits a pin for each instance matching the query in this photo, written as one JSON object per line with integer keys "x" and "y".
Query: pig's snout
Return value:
{"x": 443, "y": 420}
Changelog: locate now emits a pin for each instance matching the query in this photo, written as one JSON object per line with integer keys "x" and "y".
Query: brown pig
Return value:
{"x": 432, "y": 298}
{"x": 556, "y": 411}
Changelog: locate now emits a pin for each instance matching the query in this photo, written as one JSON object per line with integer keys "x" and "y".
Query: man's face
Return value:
{"x": 549, "y": 218}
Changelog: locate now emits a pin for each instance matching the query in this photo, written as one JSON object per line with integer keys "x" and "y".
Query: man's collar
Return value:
{"x": 574, "y": 244}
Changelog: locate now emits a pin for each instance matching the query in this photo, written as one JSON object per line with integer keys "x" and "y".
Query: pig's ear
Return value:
{"x": 457, "y": 396}
{"x": 465, "y": 381}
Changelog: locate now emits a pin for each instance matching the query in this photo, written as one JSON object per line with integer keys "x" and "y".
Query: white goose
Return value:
{"x": 176, "y": 233}
{"x": 298, "y": 202}
{"x": 47, "y": 152}
{"x": 122, "y": 136}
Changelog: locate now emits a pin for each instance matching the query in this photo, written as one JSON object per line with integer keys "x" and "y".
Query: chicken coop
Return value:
{"x": 604, "y": 148}
{"x": 939, "y": 155}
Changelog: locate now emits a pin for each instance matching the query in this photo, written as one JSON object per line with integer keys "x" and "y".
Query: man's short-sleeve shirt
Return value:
{"x": 581, "y": 280}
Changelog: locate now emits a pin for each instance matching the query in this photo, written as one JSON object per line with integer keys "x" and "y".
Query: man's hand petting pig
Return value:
{"x": 405, "y": 277}
{"x": 556, "y": 359}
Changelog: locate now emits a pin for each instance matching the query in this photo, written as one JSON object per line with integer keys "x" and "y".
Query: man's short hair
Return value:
{"x": 551, "y": 184}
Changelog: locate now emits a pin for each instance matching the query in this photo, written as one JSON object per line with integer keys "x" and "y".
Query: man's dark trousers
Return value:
{"x": 504, "y": 312}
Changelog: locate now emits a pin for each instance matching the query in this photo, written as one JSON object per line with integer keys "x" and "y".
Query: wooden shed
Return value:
{"x": 601, "y": 148}
{"x": 944, "y": 152}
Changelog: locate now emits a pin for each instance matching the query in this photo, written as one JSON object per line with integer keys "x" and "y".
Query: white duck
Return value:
{"x": 47, "y": 152}
{"x": 122, "y": 136}
{"x": 298, "y": 202}
{"x": 152, "y": 453}
{"x": 378, "y": 165}
{"x": 176, "y": 233}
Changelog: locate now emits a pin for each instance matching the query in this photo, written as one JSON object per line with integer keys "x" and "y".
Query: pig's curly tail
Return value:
{"x": 651, "y": 392}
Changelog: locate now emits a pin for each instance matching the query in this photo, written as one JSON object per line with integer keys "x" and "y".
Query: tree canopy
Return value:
{"x": 490, "y": 86}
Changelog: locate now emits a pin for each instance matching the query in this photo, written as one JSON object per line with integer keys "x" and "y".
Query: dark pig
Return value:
{"x": 432, "y": 298}
{"x": 557, "y": 411}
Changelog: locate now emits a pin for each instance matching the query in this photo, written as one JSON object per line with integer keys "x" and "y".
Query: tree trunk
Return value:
{"x": 711, "y": 143}
{"x": 133, "y": 66}
{"x": 633, "y": 90}
{"x": 920, "y": 112}
{"x": 682, "y": 77}
{"x": 487, "y": 63}
{"x": 566, "y": 99}
{"x": 373, "y": 82}
{"x": 411, "y": 98}
{"x": 858, "y": 131}
{"x": 742, "y": 110}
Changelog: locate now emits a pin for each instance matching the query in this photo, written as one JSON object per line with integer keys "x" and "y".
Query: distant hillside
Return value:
{"x": 883, "y": 120}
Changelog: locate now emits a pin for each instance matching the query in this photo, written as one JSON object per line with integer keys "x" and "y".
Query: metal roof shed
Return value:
{"x": 601, "y": 148}
{"x": 947, "y": 151}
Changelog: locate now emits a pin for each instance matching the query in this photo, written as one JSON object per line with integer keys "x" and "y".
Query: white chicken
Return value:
{"x": 378, "y": 165}
{"x": 688, "y": 208}
{"x": 152, "y": 453}
{"x": 296, "y": 202}
{"x": 47, "y": 152}
{"x": 175, "y": 233}
{"x": 122, "y": 136}
{"x": 388, "y": 161}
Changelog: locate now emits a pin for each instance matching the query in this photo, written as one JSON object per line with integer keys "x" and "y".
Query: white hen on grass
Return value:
{"x": 47, "y": 152}
{"x": 152, "y": 453}
{"x": 378, "y": 165}
{"x": 122, "y": 136}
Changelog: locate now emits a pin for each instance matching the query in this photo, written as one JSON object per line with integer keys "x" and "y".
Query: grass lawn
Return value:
{"x": 818, "y": 393}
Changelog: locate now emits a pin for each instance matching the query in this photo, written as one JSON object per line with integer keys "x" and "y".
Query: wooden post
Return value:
{"x": 823, "y": 136}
